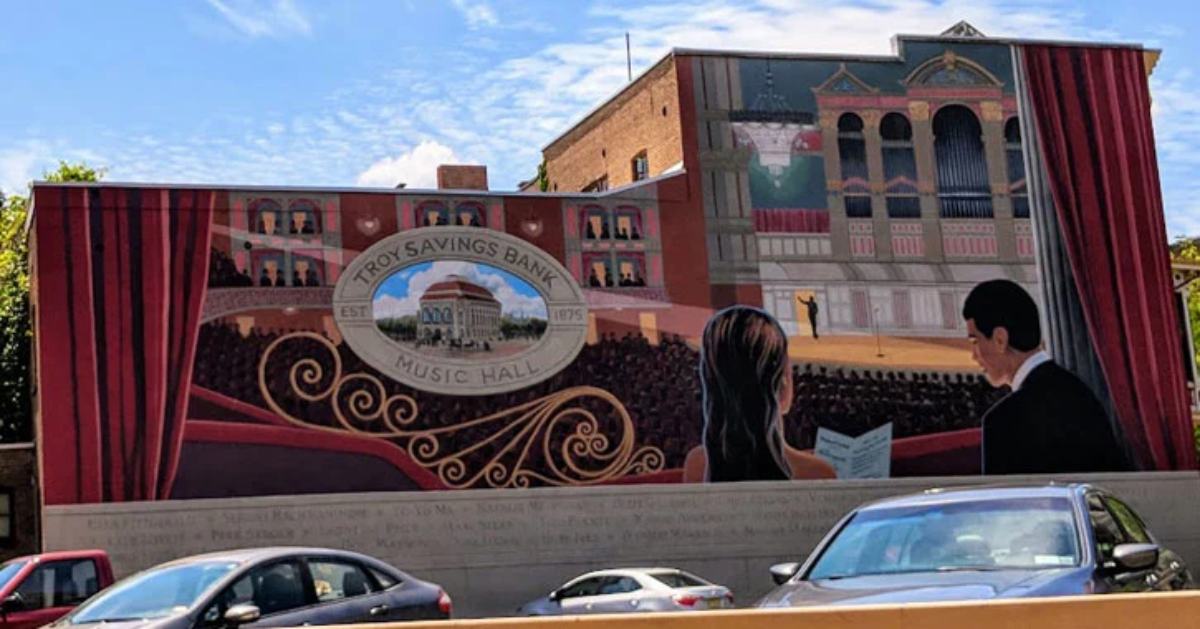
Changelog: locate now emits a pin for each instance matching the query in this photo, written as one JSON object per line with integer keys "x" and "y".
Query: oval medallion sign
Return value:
{"x": 460, "y": 310}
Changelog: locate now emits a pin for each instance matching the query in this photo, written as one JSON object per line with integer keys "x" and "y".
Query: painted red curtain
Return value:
{"x": 120, "y": 279}
{"x": 1092, "y": 111}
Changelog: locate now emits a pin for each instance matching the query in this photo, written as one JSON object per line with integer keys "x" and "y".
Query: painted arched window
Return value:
{"x": 595, "y": 224}
{"x": 852, "y": 154}
{"x": 627, "y": 223}
{"x": 899, "y": 167}
{"x": 307, "y": 270}
{"x": 266, "y": 216}
{"x": 431, "y": 213}
{"x": 304, "y": 217}
{"x": 1016, "y": 168}
{"x": 962, "y": 173}
{"x": 469, "y": 214}
{"x": 446, "y": 316}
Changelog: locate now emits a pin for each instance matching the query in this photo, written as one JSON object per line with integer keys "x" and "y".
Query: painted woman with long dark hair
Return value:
{"x": 745, "y": 375}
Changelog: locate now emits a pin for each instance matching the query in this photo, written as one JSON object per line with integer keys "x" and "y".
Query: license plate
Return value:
{"x": 713, "y": 603}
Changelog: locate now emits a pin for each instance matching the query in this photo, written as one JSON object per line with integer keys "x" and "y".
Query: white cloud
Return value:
{"x": 477, "y": 13}
{"x": 416, "y": 168}
{"x": 1176, "y": 113}
{"x": 499, "y": 108}
{"x": 511, "y": 303}
{"x": 18, "y": 168}
{"x": 263, "y": 18}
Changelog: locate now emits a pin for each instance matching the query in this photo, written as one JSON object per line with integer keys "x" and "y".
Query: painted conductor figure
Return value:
{"x": 811, "y": 304}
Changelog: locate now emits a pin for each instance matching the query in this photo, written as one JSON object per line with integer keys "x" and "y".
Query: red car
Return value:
{"x": 38, "y": 589}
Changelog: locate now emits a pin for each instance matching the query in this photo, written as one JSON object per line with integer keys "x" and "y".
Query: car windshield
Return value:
{"x": 8, "y": 571}
{"x": 1023, "y": 533}
{"x": 156, "y": 593}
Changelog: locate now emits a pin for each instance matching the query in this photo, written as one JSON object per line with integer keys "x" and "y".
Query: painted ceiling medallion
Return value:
{"x": 532, "y": 226}
{"x": 367, "y": 226}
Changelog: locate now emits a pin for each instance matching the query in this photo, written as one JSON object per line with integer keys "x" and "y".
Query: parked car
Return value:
{"x": 263, "y": 587}
{"x": 631, "y": 590}
{"x": 36, "y": 590}
{"x": 981, "y": 543}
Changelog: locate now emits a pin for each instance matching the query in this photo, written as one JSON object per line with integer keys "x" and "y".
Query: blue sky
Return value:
{"x": 400, "y": 293}
{"x": 301, "y": 92}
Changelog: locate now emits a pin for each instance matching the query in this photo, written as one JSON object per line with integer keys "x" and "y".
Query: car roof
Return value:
{"x": 625, "y": 572}
{"x": 980, "y": 492}
{"x": 61, "y": 555}
{"x": 255, "y": 555}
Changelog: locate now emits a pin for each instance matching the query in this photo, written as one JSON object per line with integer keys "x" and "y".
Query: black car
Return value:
{"x": 981, "y": 543}
{"x": 263, "y": 587}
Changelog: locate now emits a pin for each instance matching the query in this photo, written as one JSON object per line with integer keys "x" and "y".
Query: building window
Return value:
{"x": 962, "y": 173}
{"x": 899, "y": 167}
{"x": 1016, "y": 168}
{"x": 641, "y": 166}
{"x": 6, "y": 516}
{"x": 599, "y": 185}
{"x": 852, "y": 155}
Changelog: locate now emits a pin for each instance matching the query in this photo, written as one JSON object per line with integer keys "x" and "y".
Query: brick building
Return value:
{"x": 457, "y": 309}
{"x": 19, "y": 514}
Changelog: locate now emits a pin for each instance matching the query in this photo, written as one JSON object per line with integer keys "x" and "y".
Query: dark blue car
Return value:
{"x": 981, "y": 543}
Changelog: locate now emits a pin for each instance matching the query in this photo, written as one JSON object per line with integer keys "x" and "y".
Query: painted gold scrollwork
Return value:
{"x": 518, "y": 445}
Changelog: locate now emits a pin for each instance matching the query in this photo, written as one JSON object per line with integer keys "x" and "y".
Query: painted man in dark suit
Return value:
{"x": 1051, "y": 421}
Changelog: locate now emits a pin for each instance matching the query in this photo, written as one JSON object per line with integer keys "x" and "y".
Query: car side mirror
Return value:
{"x": 13, "y": 603}
{"x": 1133, "y": 557}
{"x": 782, "y": 572}
{"x": 242, "y": 614}
{"x": 554, "y": 596}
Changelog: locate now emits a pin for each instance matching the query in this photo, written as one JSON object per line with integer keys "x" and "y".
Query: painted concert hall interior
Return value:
{"x": 210, "y": 341}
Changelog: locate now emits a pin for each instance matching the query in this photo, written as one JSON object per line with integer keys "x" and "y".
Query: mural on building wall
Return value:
{"x": 317, "y": 342}
{"x": 878, "y": 205}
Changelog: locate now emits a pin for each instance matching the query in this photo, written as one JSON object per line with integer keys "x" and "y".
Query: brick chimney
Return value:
{"x": 461, "y": 177}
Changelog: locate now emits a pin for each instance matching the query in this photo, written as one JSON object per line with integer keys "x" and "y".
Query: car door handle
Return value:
{"x": 587, "y": 606}
{"x": 379, "y": 610}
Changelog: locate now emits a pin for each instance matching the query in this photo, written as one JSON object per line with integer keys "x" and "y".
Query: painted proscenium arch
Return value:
{"x": 566, "y": 310}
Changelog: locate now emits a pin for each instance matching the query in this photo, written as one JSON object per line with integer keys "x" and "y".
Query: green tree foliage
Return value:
{"x": 1188, "y": 250}
{"x": 514, "y": 328}
{"x": 543, "y": 180}
{"x": 16, "y": 333}
{"x": 399, "y": 328}
{"x": 15, "y": 336}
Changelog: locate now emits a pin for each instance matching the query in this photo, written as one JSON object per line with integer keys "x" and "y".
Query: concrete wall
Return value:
{"x": 644, "y": 117}
{"x": 495, "y": 549}
{"x": 18, "y": 476}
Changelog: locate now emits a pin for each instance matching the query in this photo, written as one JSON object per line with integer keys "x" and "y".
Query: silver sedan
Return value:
{"x": 631, "y": 590}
